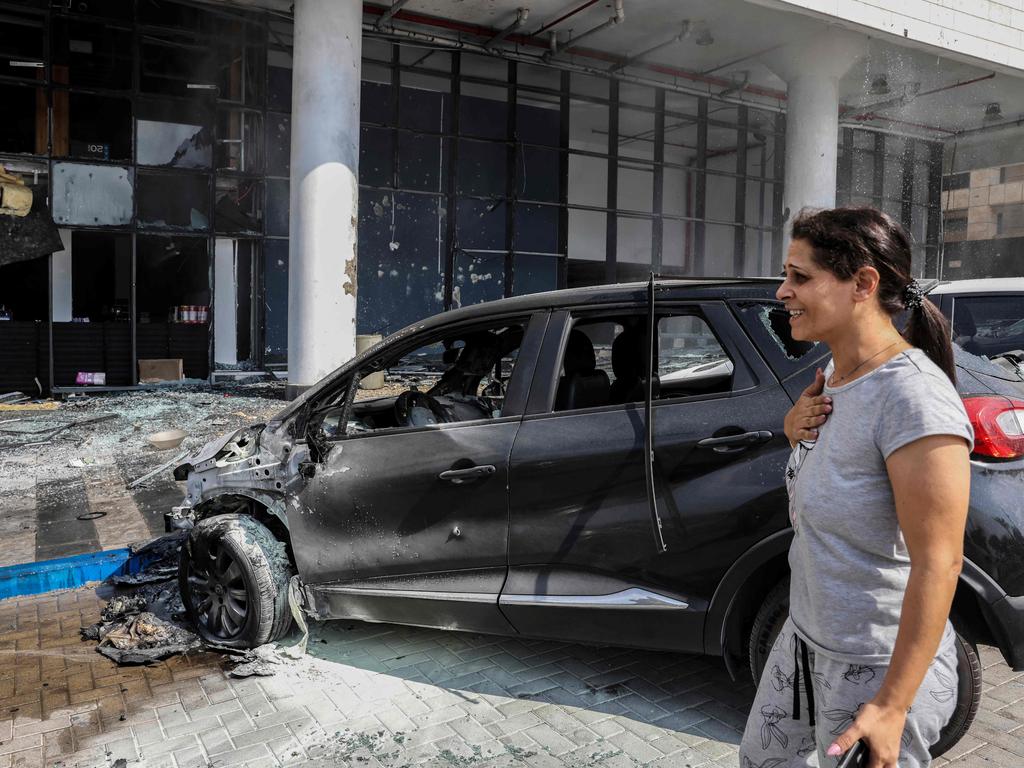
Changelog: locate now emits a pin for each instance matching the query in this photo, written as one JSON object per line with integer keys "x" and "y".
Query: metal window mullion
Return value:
{"x": 511, "y": 180}
{"x": 563, "y": 180}
{"x": 134, "y": 100}
{"x": 396, "y": 101}
{"x": 933, "y": 242}
{"x": 611, "y": 236}
{"x": 739, "y": 241}
{"x": 453, "y": 161}
{"x": 779, "y": 216}
{"x": 700, "y": 185}
{"x": 658, "y": 196}
{"x": 845, "y": 196}
{"x": 907, "y": 185}
{"x": 878, "y": 171}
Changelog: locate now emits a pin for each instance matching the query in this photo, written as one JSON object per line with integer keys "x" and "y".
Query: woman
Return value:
{"x": 878, "y": 501}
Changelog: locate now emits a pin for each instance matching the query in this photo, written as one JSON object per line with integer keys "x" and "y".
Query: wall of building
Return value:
{"x": 992, "y": 30}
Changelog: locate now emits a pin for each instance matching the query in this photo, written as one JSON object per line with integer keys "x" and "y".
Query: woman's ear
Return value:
{"x": 865, "y": 283}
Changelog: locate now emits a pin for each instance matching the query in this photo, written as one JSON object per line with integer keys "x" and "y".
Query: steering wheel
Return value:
{"x": 418, "y": 409}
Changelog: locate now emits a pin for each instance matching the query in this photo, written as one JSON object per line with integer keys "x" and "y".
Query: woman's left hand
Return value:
{"x": 881, "y": 727}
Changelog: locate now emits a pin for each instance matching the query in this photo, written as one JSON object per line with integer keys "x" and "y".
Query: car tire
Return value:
{"x": 773, "y": 614}
{"x": 234, "y": 576}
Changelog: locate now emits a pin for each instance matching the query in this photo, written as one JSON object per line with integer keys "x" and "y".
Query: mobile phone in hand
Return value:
{"x": 855, "y": 757}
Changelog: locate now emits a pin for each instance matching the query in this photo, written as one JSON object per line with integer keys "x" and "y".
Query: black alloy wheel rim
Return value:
{"x": 218, "y": 593}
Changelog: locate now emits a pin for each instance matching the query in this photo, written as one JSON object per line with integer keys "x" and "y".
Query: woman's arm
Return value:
{"x": 931, "y": 483}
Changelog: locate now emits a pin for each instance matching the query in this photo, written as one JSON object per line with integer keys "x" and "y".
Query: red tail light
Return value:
{"x": 998, "y": 425}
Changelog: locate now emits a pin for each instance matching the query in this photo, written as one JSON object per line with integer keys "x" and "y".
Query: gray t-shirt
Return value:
{"x": 848, "y": 558}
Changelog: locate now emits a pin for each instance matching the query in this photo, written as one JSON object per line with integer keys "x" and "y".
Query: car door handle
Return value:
{"x": 467, "y": 475}
{"x": 734, "y": 443}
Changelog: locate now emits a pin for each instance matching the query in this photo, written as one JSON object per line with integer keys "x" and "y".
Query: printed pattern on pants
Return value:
{"x": 774, "y": 739}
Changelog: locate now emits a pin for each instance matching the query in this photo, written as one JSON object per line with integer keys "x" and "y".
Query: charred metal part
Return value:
{"x": 250, "y": 471}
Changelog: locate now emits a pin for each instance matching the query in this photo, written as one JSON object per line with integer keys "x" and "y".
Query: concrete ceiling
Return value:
{"x": 735, "y": 34}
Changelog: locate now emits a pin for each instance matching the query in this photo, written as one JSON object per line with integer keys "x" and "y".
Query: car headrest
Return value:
{"x": 579, "y": 354}
{"x": 963, "y": 320}
{"x": 628, "y": 355}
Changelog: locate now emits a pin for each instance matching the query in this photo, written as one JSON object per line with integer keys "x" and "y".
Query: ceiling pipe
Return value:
{"x": 389, "y": 13}
{"x": 521, "y": 15}
{"x": 617, "y": 18}
{"x": 565, "y": 16}
{"x": 906, "y": 98}
{"x": 678, "y": 74}
{"x": 684, "y": 32}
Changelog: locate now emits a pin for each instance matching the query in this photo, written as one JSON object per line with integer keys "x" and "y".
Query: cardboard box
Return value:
{"x": 160, "y": 369}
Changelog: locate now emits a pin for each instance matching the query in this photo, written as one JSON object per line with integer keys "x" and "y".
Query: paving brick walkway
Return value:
{"x": 382, "y": 697}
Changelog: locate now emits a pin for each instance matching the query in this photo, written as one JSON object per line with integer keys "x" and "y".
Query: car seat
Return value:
{"x": 582, "y": 384}
{"x": 964, "y": 328}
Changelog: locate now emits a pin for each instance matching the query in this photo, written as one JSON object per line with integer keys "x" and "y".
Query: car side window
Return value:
{"x": 451, "y": 378}
{"x": 604, "y": 361}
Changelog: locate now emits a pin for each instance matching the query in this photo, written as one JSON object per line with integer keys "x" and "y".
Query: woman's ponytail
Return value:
{"x": 928, "y": 330}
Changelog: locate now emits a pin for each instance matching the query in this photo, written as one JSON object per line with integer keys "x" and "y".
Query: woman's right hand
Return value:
{"x": 809, "y": 412}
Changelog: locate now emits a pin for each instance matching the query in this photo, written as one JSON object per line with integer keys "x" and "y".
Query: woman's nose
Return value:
{"x": 783, "y": 291}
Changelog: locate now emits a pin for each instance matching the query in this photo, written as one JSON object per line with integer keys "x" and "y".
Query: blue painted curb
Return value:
{"x": 66, "y": 572}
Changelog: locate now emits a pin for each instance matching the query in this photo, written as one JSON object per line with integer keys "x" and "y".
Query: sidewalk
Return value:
{"x": 387, "y": 696}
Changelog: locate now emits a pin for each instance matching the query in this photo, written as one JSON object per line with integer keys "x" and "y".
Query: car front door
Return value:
{"x": 583, "y": 559}
{"x": 409, "y": 524}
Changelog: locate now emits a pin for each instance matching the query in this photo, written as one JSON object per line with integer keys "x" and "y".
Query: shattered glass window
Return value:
{"x": 174, "y": 201}
{"x": 767, "y": 323}
{"x": 174, "y": 135}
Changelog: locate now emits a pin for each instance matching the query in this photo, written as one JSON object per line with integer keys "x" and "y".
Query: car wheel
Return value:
{"x": 234, "y": 579}
{"x": 773, "y": 614}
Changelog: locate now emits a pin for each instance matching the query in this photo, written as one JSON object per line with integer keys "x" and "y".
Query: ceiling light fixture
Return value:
{"x": 993, "y": 112}
{"x": 705, "y": 38}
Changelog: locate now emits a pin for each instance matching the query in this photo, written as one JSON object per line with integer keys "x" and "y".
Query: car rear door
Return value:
{"x": 583, "y": 563}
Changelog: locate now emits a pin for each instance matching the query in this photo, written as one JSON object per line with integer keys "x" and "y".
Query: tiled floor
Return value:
{"x": 380, "y": 695}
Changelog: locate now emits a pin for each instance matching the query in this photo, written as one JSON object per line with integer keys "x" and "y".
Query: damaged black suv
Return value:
{"x": 527, "y": 476}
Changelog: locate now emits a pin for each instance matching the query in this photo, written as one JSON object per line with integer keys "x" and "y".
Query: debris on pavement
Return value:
{"x": 159, "y": 558}
{"x": 144, "y": 638}
{"x": 166, "y": 439}
{"x": 258, "y": 662}
{"x": 154, "y": 472}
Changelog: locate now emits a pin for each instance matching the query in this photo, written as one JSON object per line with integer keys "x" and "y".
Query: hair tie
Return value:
{"x": 912, "y": 296}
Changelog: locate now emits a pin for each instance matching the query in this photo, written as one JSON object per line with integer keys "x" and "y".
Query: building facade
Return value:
{"x": 201, "y": 160}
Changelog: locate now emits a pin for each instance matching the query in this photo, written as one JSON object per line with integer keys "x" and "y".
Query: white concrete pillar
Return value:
{"x": 324, "y": 189}
{"x": 812, "y": 69}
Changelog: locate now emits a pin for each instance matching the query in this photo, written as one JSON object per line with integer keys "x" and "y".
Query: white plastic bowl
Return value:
{"x": 170, "y": 438}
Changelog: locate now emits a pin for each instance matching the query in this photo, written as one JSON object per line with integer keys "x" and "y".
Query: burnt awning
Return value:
{"x": 29, "y": 237}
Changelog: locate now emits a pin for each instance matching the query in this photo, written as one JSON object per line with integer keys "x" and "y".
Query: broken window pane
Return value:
{"x": 275, "y": 300}
{"x": 101, "y": 274}
{"x": 401, "y": 253}
{"x": 532, "y": 273}
{"x": 172, "y": 298}
{"x": 240, "y": 62}
{"x": 279, "y": 144}
{"x": 91, "y": 195}
{"x": 479, "y": 277}
{"x": 23, "y": 128}
{"x": 21, "y": 44}
{"x": 277, "y": 207}
{"x": 174, "y": 134}
{"x": 174, "y": 65}
{"x": 24, "y": 292}
{"x": 239, "y": 140}
{"x": 98, "y": 127}
{"x": 174, "y": 201}
{"x": 279, "y": 78}
{"x": 94, "y": 55}
{"x": 239, "y": 206}
{"x": 768, "y": 323}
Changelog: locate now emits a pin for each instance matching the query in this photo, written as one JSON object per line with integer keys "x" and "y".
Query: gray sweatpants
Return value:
{"x": 775, "y": 739}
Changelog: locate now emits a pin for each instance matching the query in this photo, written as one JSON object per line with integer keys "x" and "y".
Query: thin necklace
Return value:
{"x": 861, "y": 364}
